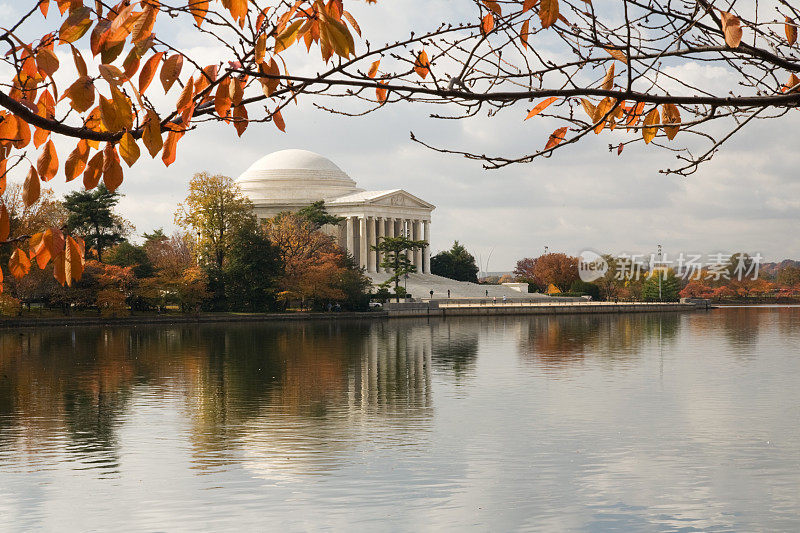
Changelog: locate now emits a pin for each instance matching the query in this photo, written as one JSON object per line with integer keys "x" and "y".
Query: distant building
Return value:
{"x": 289, "y": 180}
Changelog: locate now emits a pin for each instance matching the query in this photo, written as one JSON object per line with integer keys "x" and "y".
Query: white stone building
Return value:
{"x": 289, "y": 180}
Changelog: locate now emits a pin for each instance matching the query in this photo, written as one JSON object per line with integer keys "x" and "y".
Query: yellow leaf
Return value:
{"x": 151, "y": 135}
{"x": 608, "y": 80}
{"x": 373, "y": 69}
{"x": 589, "y": 107}
{"x": 47, "y": 61}
{"x": 548, "y": 12}
{"x": 76, "y": 25}
{"x": 287, "y": 37}
{"x": 47, "y": 164}
{"x": 541, "y": 106}
{"x": 81, "y": 94}
{"x": 128, "y": 149}
{"x": 108, "y": 114}
{"x": 31, "y": 189}
{"x": 422, "y": 66}
{"x": 617, "y": 54}
{"x": 672, "y": 115}
{"x": 650, "y": 128}
{"x": 261, "y": 48}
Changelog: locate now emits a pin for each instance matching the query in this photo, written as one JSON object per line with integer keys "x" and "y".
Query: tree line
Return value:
{"x": 222, "y": 259}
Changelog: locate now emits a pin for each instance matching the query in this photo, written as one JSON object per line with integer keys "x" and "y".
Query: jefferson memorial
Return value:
{"x": 289, "y": 180}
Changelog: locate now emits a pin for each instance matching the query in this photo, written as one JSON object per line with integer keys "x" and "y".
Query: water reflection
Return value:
{"x": 558, "y": 344}
{"x": 640, "y": 421}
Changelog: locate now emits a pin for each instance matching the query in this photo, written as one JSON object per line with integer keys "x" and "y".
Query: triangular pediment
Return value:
{"x": 400, "y": 198}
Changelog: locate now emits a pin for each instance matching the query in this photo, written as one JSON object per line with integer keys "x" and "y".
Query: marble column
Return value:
{"x": 426, "y": 261}
{"x": 392, "y": 229}
{"x": 418, "y": 251}
{"x": 381, "y": 234}
{"x": 370, "y": 243}
{"x": 351, "y": 244}
{"x": 362, "y": 241}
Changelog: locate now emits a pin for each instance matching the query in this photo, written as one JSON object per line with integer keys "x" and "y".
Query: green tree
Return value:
{"x": 318, "y": 215}
{"x": 91, "y": 215}
{"x": 252, "y": 270}
{"x": 581, "y": 287}
{"x": 396, "y": 253}
{"x": 126, "y": 254}
{"x": 456, "y": 263}
{"x": 669, "y": 283}
{"x": 215, "y": 210}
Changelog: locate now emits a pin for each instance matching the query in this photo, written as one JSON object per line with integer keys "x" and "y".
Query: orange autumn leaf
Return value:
{"x": 277, "y": 118}
{"x": 422, "y": 65}
{"x": 487, "y": 24}
{"x": 791, "y": 31}
{"x": 381, "y": 92}
{"x": 168, "y": 153}
{"x": 548, "y": 12}
{"x": 199, "y": 9}
{"x": 76, "y": 161}
{"x": 31, "y": 189}
{"x": 672, "y": 116}
{"x": 555, "y": 138}
{"x": 240, "y": 119}
{"x": 19, "y": 265}
{"x": 170, "y": 71}
{"x": 524, "y": 32}
{"x": 541, "y": 106}
{"x": 112, "y": 170}
{"x": 47, "y": 164}
{"x": 5, "y": 223}
{"x": 617, "y": 54}
{"x": 731, "y": 27}
{"x": 93, "y": 172}
{"x": 148, "y": 71}
{"x": 650, "y": 128}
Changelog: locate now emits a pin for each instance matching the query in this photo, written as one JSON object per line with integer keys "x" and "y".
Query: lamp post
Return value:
{"x": 659, "y": 274}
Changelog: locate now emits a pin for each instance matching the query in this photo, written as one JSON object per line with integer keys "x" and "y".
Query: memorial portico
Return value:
{"x": 292, "y": 179}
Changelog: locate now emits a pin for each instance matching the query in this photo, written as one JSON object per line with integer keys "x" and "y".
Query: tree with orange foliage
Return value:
{"x": 557, "y": 269}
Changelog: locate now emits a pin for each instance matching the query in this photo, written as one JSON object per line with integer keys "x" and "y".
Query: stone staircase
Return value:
{"x": 420, "y": 285}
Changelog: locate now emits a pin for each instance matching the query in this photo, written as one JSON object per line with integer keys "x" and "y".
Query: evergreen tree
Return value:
{"x": 456, "y": 263}
{"x": 318, "y": 215}
{"x": 251, "y": 270}
{"x": 396, "y": 253}
{"x": 670, "y": 286}
{"x": 91, "y": 215}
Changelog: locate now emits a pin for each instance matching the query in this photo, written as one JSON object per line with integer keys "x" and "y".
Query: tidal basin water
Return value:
{"x": 673, "y": 422}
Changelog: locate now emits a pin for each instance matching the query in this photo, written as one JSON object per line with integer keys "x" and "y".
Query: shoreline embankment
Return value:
{"x": 432, "y": 309}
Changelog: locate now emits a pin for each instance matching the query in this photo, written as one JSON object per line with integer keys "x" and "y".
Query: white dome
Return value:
{"x": 294, "y": 177}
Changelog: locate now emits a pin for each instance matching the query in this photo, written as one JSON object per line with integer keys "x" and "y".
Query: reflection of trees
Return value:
{"x": 295, "y": 386}
{"x": 562, "y": 341}
{"x": 455, "y": 345}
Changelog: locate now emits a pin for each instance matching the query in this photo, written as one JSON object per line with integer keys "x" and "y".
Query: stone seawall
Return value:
{"x": 434, "y": 309}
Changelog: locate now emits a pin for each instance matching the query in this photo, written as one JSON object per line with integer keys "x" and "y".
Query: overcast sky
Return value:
{"x": 746, "y": 199}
